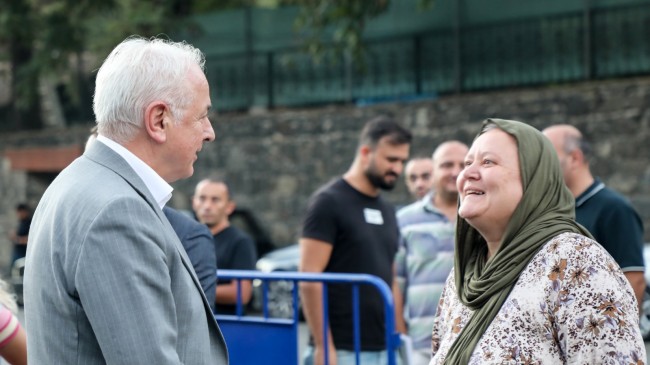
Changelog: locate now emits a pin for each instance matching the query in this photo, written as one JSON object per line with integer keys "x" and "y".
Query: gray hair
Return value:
{"x": 136, "y": 73}
{"x": 573, "y": 142}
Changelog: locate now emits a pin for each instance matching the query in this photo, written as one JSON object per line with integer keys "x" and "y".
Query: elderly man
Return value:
{"x": 607, "y": 215}
{"x": 107, "y": 279}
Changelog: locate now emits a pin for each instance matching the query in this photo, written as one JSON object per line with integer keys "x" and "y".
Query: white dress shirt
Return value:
{"x": 158, "y": 187}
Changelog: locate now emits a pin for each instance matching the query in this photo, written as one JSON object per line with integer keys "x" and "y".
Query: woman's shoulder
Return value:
{"x": 578, "y": 250}
{"x": 573, "y": 244}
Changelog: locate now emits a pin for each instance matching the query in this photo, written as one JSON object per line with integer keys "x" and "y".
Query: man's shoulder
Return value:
{"x": 332, "y": 188}
{"x": 184, "y": 224}
{"x": 416, "y": 207}
{"x": 606, "y": 201}
{"x": 611, "y": 196}
{"x": 421, "y": 211}
{"x": 233, "y": 234}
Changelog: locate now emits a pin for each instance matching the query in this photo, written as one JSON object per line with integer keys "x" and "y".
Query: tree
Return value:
{"x": 65, "y": 39}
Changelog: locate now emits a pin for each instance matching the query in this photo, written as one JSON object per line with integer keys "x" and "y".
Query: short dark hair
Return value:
{"x": 219, "y": 178}
{"x": 24, "y": 207}
{"x": 384, "y": 127}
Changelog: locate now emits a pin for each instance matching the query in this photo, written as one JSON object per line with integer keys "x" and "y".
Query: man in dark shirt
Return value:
{"x": 607, "y": 215}
{"x": 197, "y": 242}
{"x": 349, "y": 228}
{"x": 235, "y": 250}
{"x": 19, "y": 237}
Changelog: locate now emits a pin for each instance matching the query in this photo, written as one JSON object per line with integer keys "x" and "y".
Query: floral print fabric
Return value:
{"x": 571, "y": 305}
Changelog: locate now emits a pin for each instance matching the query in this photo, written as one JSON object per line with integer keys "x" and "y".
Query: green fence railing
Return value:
{"x": 595, "y": 43}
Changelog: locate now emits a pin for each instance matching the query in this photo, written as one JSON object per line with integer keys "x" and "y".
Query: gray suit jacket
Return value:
{"x": 107, "y": 280}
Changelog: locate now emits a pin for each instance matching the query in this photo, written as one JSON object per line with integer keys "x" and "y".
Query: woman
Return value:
{"x": 529, "y": 285}
{"x": 13, "y": 342}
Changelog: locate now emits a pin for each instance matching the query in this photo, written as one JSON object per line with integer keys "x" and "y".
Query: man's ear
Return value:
{"x": 230, "y": 207}
{"x": 157, "y": 118}
{"x": 576, "y": 157}
{"x": 365, "y": 150}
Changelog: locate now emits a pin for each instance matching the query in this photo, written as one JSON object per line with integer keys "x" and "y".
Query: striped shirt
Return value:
{"x": 423, "y": 262}
{"x": 9, "y": 326}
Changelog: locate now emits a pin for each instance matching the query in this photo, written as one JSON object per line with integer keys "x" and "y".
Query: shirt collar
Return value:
{"x": 427, "y": 203}
{"x": 595, "y": 187}
{"x": 158, "y": 187}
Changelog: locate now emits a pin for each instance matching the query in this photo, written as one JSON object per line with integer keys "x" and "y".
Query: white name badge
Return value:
{"x": 373, "y": 216}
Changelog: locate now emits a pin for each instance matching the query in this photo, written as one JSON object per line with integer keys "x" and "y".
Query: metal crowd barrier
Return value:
{"x": 264, "y": 340}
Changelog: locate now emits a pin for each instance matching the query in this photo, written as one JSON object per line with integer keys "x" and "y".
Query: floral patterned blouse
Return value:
{"x": 571, "y": 305}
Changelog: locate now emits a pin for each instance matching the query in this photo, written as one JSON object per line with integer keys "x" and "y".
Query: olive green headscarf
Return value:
{"x": 546, "y": 209}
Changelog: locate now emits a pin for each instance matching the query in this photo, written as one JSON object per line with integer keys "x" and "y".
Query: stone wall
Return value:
{"x": 275, "y": 160}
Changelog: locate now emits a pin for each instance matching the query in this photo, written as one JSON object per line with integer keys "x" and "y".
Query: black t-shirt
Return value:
{"x": 20, "y": 250}
{"x": 364, "y": 233}
{"x": 235, "y": 251}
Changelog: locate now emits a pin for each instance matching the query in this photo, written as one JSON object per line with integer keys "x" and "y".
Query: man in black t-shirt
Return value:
{"x": 235, "y": 249}
{"x": 19, "y": 237}
{"x": 349, "y": 228}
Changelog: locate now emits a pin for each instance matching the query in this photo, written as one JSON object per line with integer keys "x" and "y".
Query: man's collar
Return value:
{"x": 592, "y": 190}
{"x": 159, "y": 188}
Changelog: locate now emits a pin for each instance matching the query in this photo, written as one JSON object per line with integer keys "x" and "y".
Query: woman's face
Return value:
{"x": 490, "y": 185}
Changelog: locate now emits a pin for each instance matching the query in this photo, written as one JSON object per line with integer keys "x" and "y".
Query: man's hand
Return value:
{"x": 319, "y": 355}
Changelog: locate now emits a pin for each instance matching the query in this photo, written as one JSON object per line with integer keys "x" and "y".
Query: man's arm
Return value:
{"x": 637, "y": 280}
{"x": 123, "y": 281}
{"x": 398, "y": 298}
{"x": 243, "y": 258}
{"x": 227, "y": 293}
{"x": 314, "y": 256}
{"x": 199, "y": 246}
{"x": 625, "y": 244}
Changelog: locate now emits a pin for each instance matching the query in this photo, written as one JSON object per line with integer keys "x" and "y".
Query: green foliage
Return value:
{"x": 56, "y": 38}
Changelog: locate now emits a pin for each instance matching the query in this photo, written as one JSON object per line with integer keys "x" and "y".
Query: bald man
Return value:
{"x": 417, "y": 175}
{"x": 426, "y": 250}
{"x": 608, "y": 216}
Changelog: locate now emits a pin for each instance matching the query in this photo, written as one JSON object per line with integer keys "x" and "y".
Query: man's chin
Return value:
{"x": 387, "y": 186}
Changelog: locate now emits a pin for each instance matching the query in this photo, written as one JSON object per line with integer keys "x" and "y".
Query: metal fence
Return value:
{"x": 266, "y": 340}
{"x": 591, "y": 44}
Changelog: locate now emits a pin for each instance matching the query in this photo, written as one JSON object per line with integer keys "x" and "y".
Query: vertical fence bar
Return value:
{"x": 587, "y": 35}
{"x": 349, "y": 86}
{"x": 417, "y": 63}
{"x": 458, "y": 43}
{"x": 326, "y": 324}
{"x": 265, "y": 297}
{"x": 239, "y": 304}
{"x": 248, "y": 36}
{"x": 270, "y": 80}
{"x": 355, "y": 322}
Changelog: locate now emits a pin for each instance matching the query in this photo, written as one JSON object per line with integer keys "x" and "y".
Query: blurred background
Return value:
{"x": 292, "y": 83}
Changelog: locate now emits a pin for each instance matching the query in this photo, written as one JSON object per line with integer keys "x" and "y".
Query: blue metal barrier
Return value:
{"x": 256, "y": 340}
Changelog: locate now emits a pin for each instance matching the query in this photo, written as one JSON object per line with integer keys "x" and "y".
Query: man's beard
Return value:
{"x": 379, "y": 181}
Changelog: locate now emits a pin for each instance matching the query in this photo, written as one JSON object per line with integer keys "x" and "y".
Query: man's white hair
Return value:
{"x": 137, "y": 72}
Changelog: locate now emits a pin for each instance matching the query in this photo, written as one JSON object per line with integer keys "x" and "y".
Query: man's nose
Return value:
{"x": 209, "y": 134}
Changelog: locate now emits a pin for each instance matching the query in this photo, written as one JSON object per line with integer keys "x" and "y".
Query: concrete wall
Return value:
{"x": 275, "y": 160}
